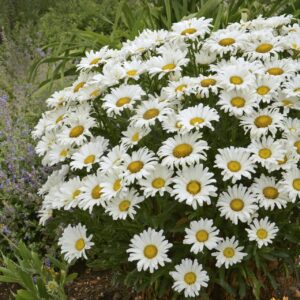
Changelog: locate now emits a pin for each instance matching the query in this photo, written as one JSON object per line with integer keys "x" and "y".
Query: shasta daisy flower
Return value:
{"x": 201, "y": 234}
{"x": 262, "y": 231}
{"x": 113, "y": 159}
{"x": 124, "y": 205}
{"x": 228, "y": 252}
{"x": 150, "y": 249}
{"x": 122, "y": 97}
{"x": 139, "y": 164}
{"x": 93, "y": 59}
{"x": 290, "y": 184}
{"x": 133, "y": 135}
{"x": 292, "y": 87}
{"x": 235, "y": 163}
{"x": 74, "y": 242}
{"x": 189, "y": 277}
{"x": 158, "y": 181}
{"x": 237, "y": 204}
{"x": 112, "y": 183}
{"x": 197, "y": 117}
{"x": 266, "y": 88}
{"x": 194, "y": 185}
{"x": 267, "y": 192}
{"x": 183, "y": 150}
{"x": 206, "y": 85}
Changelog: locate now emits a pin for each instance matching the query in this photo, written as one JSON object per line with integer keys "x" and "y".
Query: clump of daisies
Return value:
{"x": 188, "y": 140}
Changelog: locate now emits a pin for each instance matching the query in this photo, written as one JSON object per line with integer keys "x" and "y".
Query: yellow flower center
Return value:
{"x": 264, "y": 153}
{"x": 78, "y": 86}
{"x": 238, "y": 102}
{"x": 76, "y": 131}
{"x": 287, "y": 102}
{"x": 80, "y": 244}
{"x": 190, "y": 278}
{"x": 178, "y": 125}
{"x": 237, "y": 204}
{"x": 270, "y": 192}
{"x": 158, "y": 183}
{"x": 297, "y": 90}
{"x": 181, "y": 87}
{"x": 193, "y": 187}
{"x": 237, "y": 80}
{"x": 122, "y": 101}
{"x": 262, "y": 233}
{"x": 182, "y": 150}
{"x": 263, "y": 121}
{"x": 64, "y": 153}
{"x": 275, "y": 71}
{"x": 207, "y": 82}
{"x": 282, "y": 161}
{"x": 202, "y": 236}
{"x": 263, "y": 90}
{"x": 135, "y": 166}
{"x": 59, "y": 119}
{"x": 226, "y": 42}
{"x": 169, "y": 67}
{"x": 150, "y": 251}
{"x": 234, "y": 166}
{"x": 89, "y": 159}
{"x": 297, "y": 145}
{"x": 296, "y": 184}
{"x": 131, "y": 72}
{"x": 124, "y": 205}
{"x": 76, "y": 194}
{"x": 117, "y": 185}
{"x": 228, "y": 252}
{"x": 96, "y": 192}
{"x": 95, "y": 93}
{"x": 264, "y": 48}
{"x": 95, "y": 61}
{"x": 188, "y": 31}
{"x": 196, "y": 120}
{"x": 151, "y": 113}
{"x": 135, "y": 137}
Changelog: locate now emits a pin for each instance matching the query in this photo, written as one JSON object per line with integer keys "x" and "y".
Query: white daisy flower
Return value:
{"x": 224, "y": 41}
{"x": 281, "y": 68}
{"x": 262, "y": 231}
{"x": 67, "y": 195}
{"x": 266, "y": 88}
{"x": 121, "y": 98}
{"x": 113, "y": 159}
{"x": 194, "y": 185}
{"x": 191, "y": 28}
{"x": 133, "y": 135}
{"x": 183, "y": 150}
{"x": 150, "y": 249}
{"x": 290, "y": 184}
{"x": 134, "y": 69}
{"x": 262, "y": 44}
{"x": 149, "y": 111}
{"x": 89, "y": 154}
{"x": 263, "y": 121}
{"x": 58, "y": 153}
{"x": 91, "y": 192}
{"x": 267, "y": 192}
{"x": 139, "y": 164}
{"x": 237, "y": 204}
{"x": 76, "y": 130}
{"x": 197, "y": 117}
{"x": 168, "y": 62}
{"x": 82, "y": 80}
{"x": 171, "y": 124}
{"x": 124, "y": 205}
{"x": 74, "y": 242}
{"x": 189, "y": 277}
{"x": 201, "y": 234}
{"x": 177, "y": 89}
{"x": 288, "y": 103}
{"x": 44, "y": 214}
{"x": 291, "y": 126}
{"x": 228, "y": 253}
{"x": 235, "y": 163}
{"x": 266, "y": 150}
{"x": 59, "y": 98}
{"x": 158, "y": 181}
{"x": 93, "y": 59}
{"x": 90, "y": 92}
{"x": 205, "y": 57}
{"x": 206, "y": 85}
{"x": 112, "y": 183}
{"x": 45, "y": 143}
{"x": 55, "y": 118}
{"x": 237, "y": 103}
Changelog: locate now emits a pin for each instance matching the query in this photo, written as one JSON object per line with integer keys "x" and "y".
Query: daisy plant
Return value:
{"x": 177, "y": 159}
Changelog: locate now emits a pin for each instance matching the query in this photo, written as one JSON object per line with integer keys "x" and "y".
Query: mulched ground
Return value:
{"x": 98, "y": 286}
